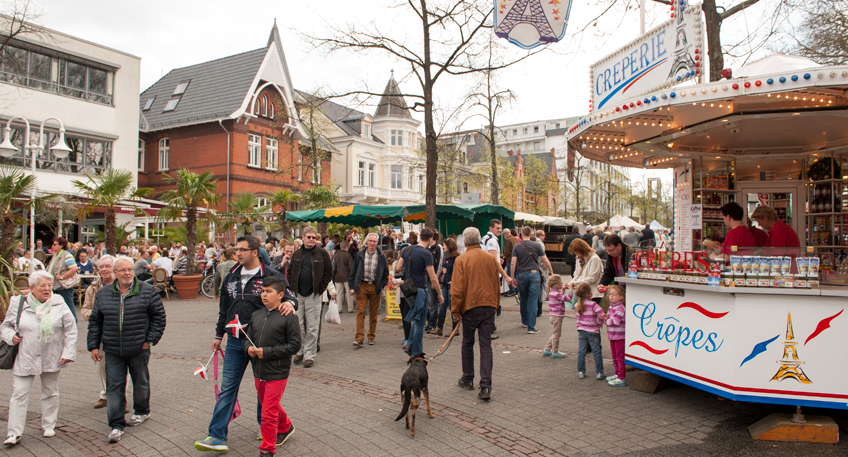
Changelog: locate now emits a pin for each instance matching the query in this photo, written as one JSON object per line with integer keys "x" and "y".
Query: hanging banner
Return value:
{"x": 664, "y": 56}
{"x": 531, "y": 23}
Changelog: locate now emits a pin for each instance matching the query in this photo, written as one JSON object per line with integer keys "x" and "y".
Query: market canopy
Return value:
{"x": 619, "y": 220}
{"x": 359, "y": 215}
{"x": 526, "y": 217}
{"x": 415, "y": 213}
{"x": 656, "y": 226}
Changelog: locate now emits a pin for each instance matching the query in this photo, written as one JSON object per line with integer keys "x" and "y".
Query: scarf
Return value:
{"x": 42, "y": 313}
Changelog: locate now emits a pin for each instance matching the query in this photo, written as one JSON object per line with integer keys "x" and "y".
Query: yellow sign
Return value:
{"x": 392, "y": 304}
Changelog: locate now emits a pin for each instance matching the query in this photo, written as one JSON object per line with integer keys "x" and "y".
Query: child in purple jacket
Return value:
{"x": 615, "y": 332}
{"x": 588, "y": 331}
{"x": 556, "y": 309}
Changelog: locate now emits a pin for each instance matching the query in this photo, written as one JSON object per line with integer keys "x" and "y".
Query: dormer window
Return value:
{"x": 264, "y": 105}
{"x": 366, "y": 130}
{"x": 149, "y": 104}
{"x": 171, "y": 105}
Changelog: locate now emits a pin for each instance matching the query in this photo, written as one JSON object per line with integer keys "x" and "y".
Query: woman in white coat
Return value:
{"x": 589, "y": 268}
{"x": 47, "y": 338}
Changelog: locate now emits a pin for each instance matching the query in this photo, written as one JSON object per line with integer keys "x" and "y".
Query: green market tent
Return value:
{"x": 358, "y": 215}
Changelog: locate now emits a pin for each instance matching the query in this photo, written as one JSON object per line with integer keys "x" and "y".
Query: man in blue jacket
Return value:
{"x": 241, "y": 296}
{"x": 127, "y": 319}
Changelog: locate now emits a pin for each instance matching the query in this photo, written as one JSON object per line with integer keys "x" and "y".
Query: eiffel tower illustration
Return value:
{"x": 682, "y": 58}
{"x": 790, "y": 365}
{"x": 536, "y": 18}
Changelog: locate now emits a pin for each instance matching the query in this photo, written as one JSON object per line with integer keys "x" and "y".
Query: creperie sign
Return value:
{"x": 664, "y": 56}
{"x": 688, "y": 261}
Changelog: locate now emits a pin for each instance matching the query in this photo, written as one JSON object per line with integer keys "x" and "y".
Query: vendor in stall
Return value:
{"x": 780, "y": 234}
{"x": 739, "y": 235}
{"x": 760, "y": 235}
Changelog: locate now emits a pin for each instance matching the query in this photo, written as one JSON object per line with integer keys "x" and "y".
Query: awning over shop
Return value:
{"x": 780, "y": 114}
{"x": 359, "y": 215}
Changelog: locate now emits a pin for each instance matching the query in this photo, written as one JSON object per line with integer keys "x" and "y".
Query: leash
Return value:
{"x": 448, "y": 342}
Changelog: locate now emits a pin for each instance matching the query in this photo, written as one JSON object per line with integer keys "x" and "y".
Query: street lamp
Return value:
{"x": 7, "y": 149}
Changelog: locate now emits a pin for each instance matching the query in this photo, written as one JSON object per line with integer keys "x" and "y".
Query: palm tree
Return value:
{"x": 244, "y": 211}
{"x": 14, "y": 184}
{"x": 321, "y": 197}
{"x": 281, "y": 198}
{"x": 108, "y": 190}
{"x": 192, "y": 190}
{"x": 122, "y": 235}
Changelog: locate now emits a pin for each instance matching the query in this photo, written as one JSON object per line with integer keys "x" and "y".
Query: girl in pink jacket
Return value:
{"x": 556, "y": 309}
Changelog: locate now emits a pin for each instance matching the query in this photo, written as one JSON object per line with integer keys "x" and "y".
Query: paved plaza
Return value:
{"x": 346, "y": 404}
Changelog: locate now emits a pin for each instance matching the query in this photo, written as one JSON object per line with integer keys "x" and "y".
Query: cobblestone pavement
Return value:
{"x": 346, "y": 404}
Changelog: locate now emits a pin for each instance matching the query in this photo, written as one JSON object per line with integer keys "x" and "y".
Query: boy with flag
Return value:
{"x": 240, "y": 297}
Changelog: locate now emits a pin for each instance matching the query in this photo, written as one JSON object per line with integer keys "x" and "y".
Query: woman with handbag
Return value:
{"x": 64, "y": 268}
{"x": 45, "y": 333}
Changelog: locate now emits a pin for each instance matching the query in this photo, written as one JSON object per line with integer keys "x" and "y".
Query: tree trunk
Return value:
{"x": 322, "y": 228}
{"x": 287, "y": 231}
{"x": 111, "y": 232}
{"x": 191, "y": 238}
{"x": 429, "y": 130}
{"x": 494, "y": 158}
{"x": 8, "y": 239}
{"x": 712, "y": 20}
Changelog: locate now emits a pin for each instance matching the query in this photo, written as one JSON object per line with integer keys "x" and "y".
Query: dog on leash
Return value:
{"x": 412, "y": 385}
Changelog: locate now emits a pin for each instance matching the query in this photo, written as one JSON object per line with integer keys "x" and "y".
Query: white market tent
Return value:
{"x": 656, "y": 226}
{"x": 526, "y": 217}
{"x": 619, "y": 220}
{"x": 560, "y": 222}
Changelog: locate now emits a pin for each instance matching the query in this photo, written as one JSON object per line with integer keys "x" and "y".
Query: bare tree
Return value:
{"x": 578, "y": 184}
{"x": 822, "y": 35}
{"x": 449, "y": 45}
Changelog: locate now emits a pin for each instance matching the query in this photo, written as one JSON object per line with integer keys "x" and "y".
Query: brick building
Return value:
{"x": 235, "y": 116}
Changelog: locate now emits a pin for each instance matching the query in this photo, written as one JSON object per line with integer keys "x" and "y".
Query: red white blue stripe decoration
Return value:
{"x": 531, "y": 23}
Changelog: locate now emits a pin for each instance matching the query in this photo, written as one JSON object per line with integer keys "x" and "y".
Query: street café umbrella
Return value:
{"x": 358, "y": 215}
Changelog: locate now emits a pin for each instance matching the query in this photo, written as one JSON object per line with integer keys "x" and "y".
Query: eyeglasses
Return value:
{"x": 310, "y": 237}
{"x": 125, "y": 271}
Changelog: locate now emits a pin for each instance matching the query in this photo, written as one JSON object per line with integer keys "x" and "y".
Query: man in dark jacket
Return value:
{"x": 127, "y": 319}
{"x": 367, "y": 280}
{"x": 570, "y": 259}
{"x": 241, "y": 296}
{"x": 310, "y": 272}
{"x": 647, "y": 240}
{"x": 619, "y": 259}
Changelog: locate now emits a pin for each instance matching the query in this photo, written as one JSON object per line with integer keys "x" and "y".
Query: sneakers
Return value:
{"x": 283, "y": 437}
{"x": 581, "y": 375}
{"x": 357, "y": 343}
{"x": 370, "y": 341}
{"x": 405, "y": 344}
{"x": 532, "y": 330}
{"x": 12, "y": 440}
{"x": 612, "y": 378}
{"x": 137, "y": 419}
{"x": 600, "y": 376}
{"x": 259, "y": 435}
{"x": 557, "y": 355}
{"x": 115, "y": 435}
{"x": 211, "y": 444}
{"x": 466, "y": 384}
{"x": 49, "y": 433}
{"x": 546, "y": 353}
{"x": 617, "y": 383}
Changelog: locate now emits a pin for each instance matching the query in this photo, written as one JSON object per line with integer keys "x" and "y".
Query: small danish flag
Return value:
{"x": 236, "y": 325}
{"x": 202, "y": 372}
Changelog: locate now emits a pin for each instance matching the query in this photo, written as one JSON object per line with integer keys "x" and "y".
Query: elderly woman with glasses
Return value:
{"x": 46, "y": 335}
{"x": 63, "y": 267}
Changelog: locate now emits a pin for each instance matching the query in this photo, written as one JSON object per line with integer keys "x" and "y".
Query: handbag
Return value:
{"x": 237, "y": 408}
{"x": 67, "y": 283}
{"x": 9, "y": 353}
{"x": 408, "y": 287}
{"x": 332, "y": 315}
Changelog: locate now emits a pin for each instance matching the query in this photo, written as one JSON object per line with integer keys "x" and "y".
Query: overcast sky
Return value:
{"x": 172, "y": 34}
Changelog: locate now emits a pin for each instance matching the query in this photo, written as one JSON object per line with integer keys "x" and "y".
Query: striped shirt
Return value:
{"x": 556, "y": 302}
{"x": 615, "y": 321}
{"x": 590, "y": 321}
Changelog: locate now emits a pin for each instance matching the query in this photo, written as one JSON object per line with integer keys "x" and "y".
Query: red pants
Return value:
{"x": 617, "y": 349}
{"x": 274, "y": 418}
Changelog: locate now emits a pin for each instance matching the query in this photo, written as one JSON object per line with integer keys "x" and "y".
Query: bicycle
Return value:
{"x": 207, "y": 284}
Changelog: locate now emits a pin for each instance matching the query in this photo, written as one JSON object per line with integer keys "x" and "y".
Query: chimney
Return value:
{"x": 510, "y": 153}
{"x": 518, "y": 153}
{"x": 552, "y": 152}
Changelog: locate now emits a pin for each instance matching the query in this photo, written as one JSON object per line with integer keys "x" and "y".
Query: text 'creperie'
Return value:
{"x": 643, "y": 58}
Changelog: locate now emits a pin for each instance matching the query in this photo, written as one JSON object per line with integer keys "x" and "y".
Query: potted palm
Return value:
{"x": 191, "y": 191}
{"x": 108, "y": 190}
{"x": 244, "y": 212}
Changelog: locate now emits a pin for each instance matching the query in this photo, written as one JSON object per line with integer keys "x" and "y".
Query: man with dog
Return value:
{"x": 310, "y": 272}
{"x": 241, "y": 296}
{"x": 475, "y": 296}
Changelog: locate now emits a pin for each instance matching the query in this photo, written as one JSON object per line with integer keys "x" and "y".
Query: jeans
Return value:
{"x": 512, "y": 289}
{"x": 416, "y": 331}
{"x": 593, "y": 341}
{"x": 481, "y": 318}
{"x": 528, "y": 289}
{"x": 404, "y": 308}
{"x": 116, "y": 386}
{"x": 444, "y": 307}
{"x": 433, "y": 310}
{"x": 235, "y": 362}
{"x": 68, "y": 296}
